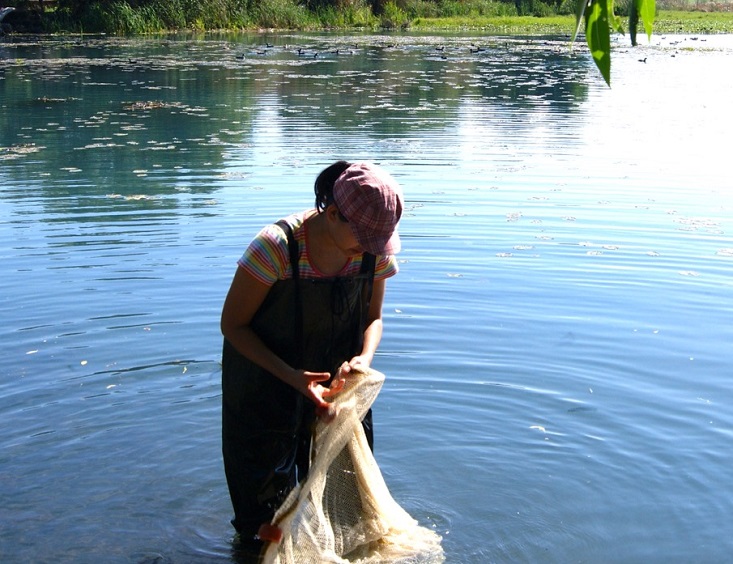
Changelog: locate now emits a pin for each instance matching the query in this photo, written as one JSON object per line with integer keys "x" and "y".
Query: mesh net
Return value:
{"x": 343, "y": 512}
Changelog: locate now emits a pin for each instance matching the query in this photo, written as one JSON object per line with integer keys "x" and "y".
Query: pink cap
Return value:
{"x": 371, "y": 200}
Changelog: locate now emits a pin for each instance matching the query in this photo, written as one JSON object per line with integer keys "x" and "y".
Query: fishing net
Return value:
{"x": 343, "y": 512}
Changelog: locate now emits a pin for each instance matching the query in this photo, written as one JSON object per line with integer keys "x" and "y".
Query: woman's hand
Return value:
{"x": 309, "y": 384}
{"x": 360, "y": 361}
{"x": 338, "y": 382}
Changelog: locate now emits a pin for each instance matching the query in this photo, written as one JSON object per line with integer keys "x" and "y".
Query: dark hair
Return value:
{"x": 325, "y": 181}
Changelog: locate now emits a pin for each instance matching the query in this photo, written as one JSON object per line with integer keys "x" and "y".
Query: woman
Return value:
{"x": 305, "y": 301}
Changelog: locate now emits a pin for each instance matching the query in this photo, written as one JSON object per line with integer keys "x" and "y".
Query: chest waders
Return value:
{"x": 314, "y": 324}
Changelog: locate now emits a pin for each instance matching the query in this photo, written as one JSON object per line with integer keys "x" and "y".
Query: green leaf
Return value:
{"x": 615, "y": 20}
{"x": 647, "y": 9}
{"x": 580, "y": 8}
{"x": 598, "y": 36}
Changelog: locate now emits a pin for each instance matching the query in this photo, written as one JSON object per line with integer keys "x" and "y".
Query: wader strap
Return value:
{"x": 294, "y": 259}
{"x": 368, "y": 264}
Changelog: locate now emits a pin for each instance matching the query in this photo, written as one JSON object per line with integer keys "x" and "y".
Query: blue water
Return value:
{"x": 557, "y": 344}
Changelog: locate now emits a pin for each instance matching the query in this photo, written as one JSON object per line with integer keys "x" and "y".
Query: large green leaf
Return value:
{"x": 598, "y": 35}
{"x": 646, "y": 9}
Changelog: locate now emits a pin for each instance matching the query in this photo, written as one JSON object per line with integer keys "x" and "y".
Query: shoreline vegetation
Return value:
{"x": 517, "y": 17}
{"x": 673, "y": 21}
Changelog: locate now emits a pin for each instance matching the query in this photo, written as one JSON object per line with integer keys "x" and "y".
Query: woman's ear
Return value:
{"x": 332, "y": 212}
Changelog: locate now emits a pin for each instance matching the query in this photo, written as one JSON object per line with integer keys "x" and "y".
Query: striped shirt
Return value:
{"x": 267, "y": 258}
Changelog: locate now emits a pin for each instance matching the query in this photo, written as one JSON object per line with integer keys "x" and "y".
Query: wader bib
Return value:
{"x": 313, "y": 324}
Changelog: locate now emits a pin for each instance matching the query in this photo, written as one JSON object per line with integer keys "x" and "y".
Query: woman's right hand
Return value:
{"x": 312, "y": 387}
{"x": 309, "y": 384}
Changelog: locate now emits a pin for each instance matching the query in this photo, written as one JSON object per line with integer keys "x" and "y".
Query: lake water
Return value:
{"x": 557, "y": 344}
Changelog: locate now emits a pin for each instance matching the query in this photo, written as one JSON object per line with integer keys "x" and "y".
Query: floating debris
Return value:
{"x": 17, "y": 151}
{"x": 139, "y": 197}
{"x": 97, "y": 146}
{"x": 51, "y": 100}
{"x": 137, "y": 106}
{"x": 697, "y": 223}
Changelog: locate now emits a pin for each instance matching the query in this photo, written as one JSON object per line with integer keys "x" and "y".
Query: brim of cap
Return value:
{"x": 380, "y": 245}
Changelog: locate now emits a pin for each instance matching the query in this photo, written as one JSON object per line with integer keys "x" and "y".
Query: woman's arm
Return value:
{"x": 244, "y": 298}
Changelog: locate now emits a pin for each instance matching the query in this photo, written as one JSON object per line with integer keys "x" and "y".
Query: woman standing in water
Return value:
{"x": 305, "y": 300}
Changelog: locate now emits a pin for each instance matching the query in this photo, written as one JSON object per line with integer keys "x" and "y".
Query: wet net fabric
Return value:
{"x": 343, "y": 512}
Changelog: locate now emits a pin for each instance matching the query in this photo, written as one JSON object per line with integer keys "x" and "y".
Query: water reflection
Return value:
{"x": 93, "y": 123}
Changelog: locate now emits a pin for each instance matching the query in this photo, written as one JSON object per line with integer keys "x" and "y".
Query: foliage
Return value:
{"x": 122, "y": 19}
{"x": 126, "y": 17}
{"x": 600, "y": 20}
{"x": 282, "y": 14}
{"x": 458, "y": 8}
{"x": 536, "y": 8}
{"x": 393, "y": 16}
{"x": 349, "y": 15}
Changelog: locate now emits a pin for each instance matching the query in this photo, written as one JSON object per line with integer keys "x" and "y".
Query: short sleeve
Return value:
{"x": 266, "y": 257}
{"x": 386, "y": 267}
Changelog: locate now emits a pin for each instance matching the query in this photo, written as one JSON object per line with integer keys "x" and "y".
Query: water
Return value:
{"x": 557, "y": 343}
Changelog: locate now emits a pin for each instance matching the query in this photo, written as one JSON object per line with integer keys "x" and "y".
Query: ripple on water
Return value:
{"x": 556, "y": 344}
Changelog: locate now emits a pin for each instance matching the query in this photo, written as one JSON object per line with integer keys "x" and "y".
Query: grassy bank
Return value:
{"x": 503, "y": 25}
{"x": 694, "y": 22}
{"x": 682, "y": 22}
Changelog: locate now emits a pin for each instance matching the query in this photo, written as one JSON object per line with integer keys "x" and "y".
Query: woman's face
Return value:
{"x": 342, "y": 234}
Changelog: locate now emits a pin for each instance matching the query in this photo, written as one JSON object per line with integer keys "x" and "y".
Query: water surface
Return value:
{"x": 557, "y": 343}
